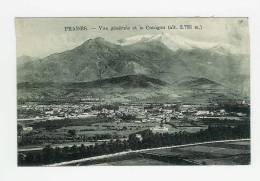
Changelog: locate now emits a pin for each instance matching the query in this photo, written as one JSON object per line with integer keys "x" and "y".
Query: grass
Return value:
{"x": 211, "y": 154}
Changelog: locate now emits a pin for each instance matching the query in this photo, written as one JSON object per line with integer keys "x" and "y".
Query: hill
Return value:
{"x": 128, "y": 81}
{"x": 97, "y": 60}
{"x": 198, "y": 83}
{"x": 116, "y": 89}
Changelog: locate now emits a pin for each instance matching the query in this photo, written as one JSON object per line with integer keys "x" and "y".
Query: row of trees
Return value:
{"x": 51, "y": 155}
{"x": 31, "y": 139}
{"x": 148, "y": 140}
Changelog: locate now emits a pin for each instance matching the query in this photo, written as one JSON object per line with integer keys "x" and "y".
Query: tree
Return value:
{"x": 133, "y": 141}
{"x": 19, "y": 129}
{"x": 48, "y": 154}
{"x": 82, "y": 150}
{"x": 21, "y": 158}
{"x": 72, "y": 132}
{"x": 58, "y": 153}
{"x": 29, "y": 159}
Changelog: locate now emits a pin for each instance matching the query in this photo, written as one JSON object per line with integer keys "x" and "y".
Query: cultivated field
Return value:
{"x": 228, "y": 153}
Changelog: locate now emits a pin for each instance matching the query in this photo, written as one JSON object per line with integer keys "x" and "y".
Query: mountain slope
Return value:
{"x": 78, "y": 64}
{"x": 116, "y": 89}
{"x": 98, "y": 59}
{"x": 128, "y": 81}
{"x": 25, "y": 59}
{"x": 123, "y": 89}
{"x": 159, "y": 59}
{"x": 198, "y": 83}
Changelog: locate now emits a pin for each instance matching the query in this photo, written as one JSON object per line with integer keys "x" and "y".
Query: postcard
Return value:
{"x": 133, "y": 91}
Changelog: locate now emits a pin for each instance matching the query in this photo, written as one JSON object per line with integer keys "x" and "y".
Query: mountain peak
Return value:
{"x": 97, "y": 43}
{"x": 94, "y": 40}
{"x": 176, "y": 42}
{"x": 99, "y": 39}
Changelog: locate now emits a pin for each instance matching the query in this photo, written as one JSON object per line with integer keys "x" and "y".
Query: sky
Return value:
{"x": 40, "y": 37}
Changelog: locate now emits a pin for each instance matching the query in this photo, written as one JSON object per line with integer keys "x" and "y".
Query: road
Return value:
{"x": 139, "y": 151}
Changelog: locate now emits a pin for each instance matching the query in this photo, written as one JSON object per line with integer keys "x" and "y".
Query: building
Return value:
{"x": 159, "y": 129}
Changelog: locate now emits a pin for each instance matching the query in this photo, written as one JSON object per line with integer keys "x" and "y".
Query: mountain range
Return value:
{"x": 165, "y": 58}
{"x": 177, "y": 42}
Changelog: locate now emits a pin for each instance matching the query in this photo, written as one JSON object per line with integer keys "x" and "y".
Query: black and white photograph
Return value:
{"x": 133, "y": 91}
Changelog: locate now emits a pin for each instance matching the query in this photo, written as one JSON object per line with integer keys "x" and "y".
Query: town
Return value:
{"x": 94, "y": 120}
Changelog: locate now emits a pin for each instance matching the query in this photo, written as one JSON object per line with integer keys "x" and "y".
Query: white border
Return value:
{"x": 133, "y": 8}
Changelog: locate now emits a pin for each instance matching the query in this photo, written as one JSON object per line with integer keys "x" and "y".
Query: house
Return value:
{"x": 200, "y": 113}
{"x": 27, "y": 129}
{"x": 159, "y": 129}
{"x": 139, "y": 136}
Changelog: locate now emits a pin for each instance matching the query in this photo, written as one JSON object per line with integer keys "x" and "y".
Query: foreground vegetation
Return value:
{"x": 147, "y": 140}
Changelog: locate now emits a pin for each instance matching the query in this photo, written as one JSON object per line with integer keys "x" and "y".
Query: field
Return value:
{"x": 228, "y": 153}
{"x": 134, "y": 162}
{"x": 89, "y": 129}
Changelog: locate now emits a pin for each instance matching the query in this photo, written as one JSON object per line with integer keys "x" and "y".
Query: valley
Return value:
{"x": 141, "y": 92}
